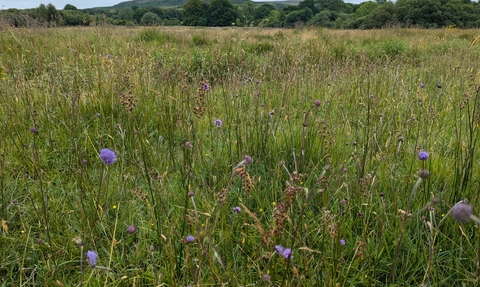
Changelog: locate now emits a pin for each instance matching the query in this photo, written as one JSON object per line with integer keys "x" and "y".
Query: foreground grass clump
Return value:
{"x": 205, "y": 157}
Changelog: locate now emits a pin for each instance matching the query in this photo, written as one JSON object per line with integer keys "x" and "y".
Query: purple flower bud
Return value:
{"x": 317, "y": 103}
{"x": 461, "y": 212}
{"x": 188, "y": 145}
{"x": 92, "y": 258}
{"x": 342, "y": 242}
{"x": 108, "y": 156}
{"x": 266, "y": 278}
{"x": 422, "y": 85}
{"x": 237, "y": 209}
{"x": 205, "y": 87}
{"x": 131, "y": 229}
{"x": 190, "y": 238}
{"x": 34, "y": 130}
{"x": 247, "y": 159}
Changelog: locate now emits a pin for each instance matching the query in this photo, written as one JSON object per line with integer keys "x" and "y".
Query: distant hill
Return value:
{"x": 179, "y": 3}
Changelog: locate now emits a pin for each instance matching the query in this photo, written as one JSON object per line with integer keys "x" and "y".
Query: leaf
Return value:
{"x": 4, "y": 226}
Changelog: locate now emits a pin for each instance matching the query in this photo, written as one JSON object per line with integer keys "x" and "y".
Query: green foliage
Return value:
{"x": 300, "y": 16}
{"x": 221, "y": 13}
{"x": 195, "y": 13}
{"x": 333, "y": 121}
{"x": 150, "y": 19}
{"x": 126, "y": 14}
{"x": 138, "y": 14}
{"x": 199, "y": 40}
{"x": 70, "y": 7}
{"x": 75, "y": 18}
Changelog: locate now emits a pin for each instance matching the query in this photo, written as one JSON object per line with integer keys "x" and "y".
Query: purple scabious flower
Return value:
{"x": 92, "y": 258}
{"x": 34, "y": 130}
{"x": 190, "y": 238}
{"x": 422, "y": 85}
{"x": 205, "y": 87}
{"x": 287, "y": 253}
{"x": 266, "y": 278}
{"x": 108, "y": 156}
{"x": 279, "y": 249}
{"x": 247, "y": 159}
{"x": 237, "y": 209}
{"x": 218, "y": 123}
{"x": 317, "y": 103}
{"x": 188, "y": 145}
{"x": 461, "y": 212}
{"x": 131, "y": 229}
{"x": 423, "y": 155}
{"x": 342, "y": 242}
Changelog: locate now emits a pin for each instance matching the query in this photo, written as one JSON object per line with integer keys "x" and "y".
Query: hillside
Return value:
{"x": 178, "y": 3}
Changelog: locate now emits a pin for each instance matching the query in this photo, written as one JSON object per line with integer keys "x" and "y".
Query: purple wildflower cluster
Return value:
{"x": 108, "y": 156}
{"x": 218, "y": 123}
{"x": 92, "y": 257}
{"x": 423, "y": 155}
{"x": 286, "y": 253}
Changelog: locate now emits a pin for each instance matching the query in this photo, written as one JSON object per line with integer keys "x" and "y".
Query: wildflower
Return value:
{"x": 279, "y": 249}
{"x": 317, "y": 103}
{"x": 462, "y": 212}
{"x": 131, "y": 229}
{"x": 205, "y": 87}
{"x": 84, "y": 161}
{"x": 190, "y": 238}
{"x": 287, "y": 253}
{"x": 188, "y": 145}
{"x": 247, "y": 159}
{"x": 92, "y": 258}
{"x": 34, "y": 130}
{"x": 342, "y": 242}
{"x": 108, "y": 156}
{"x": 218, "y": 123}
{"x": 109, "y": 56}
{"x": 237, "y": 209}
{"x": 422, "y": 85}
{"x": 423, "y": 155}
{"x": 343, "y": 202}
{"x": 266, "y": 278}
{"x": 191, "y": 194}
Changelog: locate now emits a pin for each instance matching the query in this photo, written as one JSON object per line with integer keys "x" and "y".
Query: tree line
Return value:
{"x": 334, "y": 14}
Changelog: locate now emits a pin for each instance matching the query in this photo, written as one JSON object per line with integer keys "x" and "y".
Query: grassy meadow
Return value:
{"x": 244, "y": 157}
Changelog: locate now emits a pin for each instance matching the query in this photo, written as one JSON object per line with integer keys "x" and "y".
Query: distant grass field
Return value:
{"x": 238, "y": 157}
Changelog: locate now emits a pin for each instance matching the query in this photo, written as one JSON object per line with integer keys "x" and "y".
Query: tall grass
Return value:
{"x": 332, "y": 120}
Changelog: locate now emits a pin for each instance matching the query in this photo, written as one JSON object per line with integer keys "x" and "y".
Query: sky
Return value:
{"x": 80, "y": 4}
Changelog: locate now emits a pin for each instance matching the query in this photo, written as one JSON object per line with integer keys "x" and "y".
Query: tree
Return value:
{"x": 47, "y": 13}
{"x": 246, "y": 13}
{"x": 365, "y": 9}
{"x": 70, "y": 7}
{"x": 263, "y": 11}
{"x": 75, "y": 18}
{"x": 426, "y": 13}
{"x": 150, "y": 19}
{"x": 309, "y": 4}
{"x": 138, "y": 14}
{"x": 221, "y": 13}
{"x": 300, "y": 16}
{"x": 195, "y": 13}
{"x": 126, "y": 14}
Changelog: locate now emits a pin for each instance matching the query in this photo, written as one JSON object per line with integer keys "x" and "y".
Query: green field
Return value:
{"x": 333, "y": 122}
